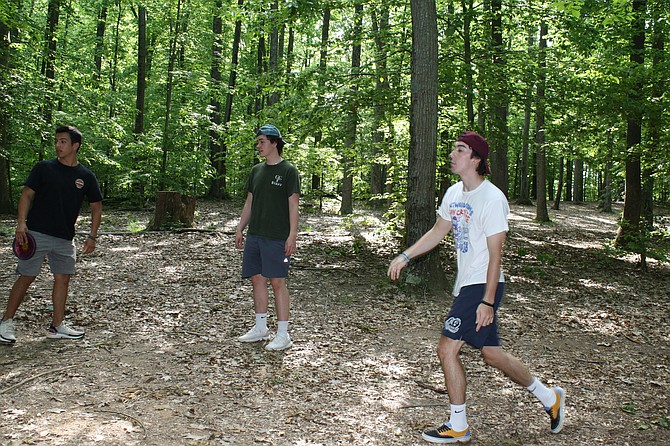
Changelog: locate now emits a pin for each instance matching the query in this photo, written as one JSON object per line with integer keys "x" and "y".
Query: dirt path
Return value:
{"x": 160, "y": 364}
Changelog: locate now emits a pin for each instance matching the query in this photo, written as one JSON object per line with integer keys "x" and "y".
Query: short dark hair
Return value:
{"x": 277, "y": 139}
{"x": 75, "y": 134}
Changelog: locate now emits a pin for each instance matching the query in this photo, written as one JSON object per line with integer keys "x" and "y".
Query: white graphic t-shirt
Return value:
{"x": 474, "y": 216}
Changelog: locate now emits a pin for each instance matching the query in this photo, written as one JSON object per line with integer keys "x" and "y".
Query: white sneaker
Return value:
{"x": 7, "y": 333}
{"x": 255, "y": 335}
{"x": 280, "y": 342}
{"x": 64, "y": 332}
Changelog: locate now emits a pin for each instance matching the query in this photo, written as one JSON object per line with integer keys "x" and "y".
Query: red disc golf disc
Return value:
{"x": 24, "y": 251}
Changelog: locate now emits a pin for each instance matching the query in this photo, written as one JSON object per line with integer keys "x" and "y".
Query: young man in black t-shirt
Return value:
{"x": 48, "y": 209}
{"x": 271, "y": 212}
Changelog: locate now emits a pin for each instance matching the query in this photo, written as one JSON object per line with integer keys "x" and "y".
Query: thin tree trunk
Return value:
{"x": 378, "y": 170}
{"x": 348, "y": 156}
{"x": 141, "y": 70}
{"x": 274, "y": 54}
{"x": 172, "y": 57}
{"x": 498, "y": 134}
{"x": 5, "y": 179}
{"x": 217, "y": 186}
{"x": 578, "y": 173}
{"x": 317, "y": 171}
{"x": 541, "y": 212}
{"x": 467, "y": 7}
{"x": 100, "y": 40}
{"x": 524, "y": 183}
{"x": 49, "y": 72}
{"x": 559, "y": 187}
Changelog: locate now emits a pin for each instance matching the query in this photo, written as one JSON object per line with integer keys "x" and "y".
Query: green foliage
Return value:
{"x": 588, "y": 81}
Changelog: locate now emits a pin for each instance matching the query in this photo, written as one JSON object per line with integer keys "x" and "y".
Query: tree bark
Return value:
{"x": 541, "y": 211}
{"x": 420, "y": 211}
{"x": 378, "y": 170}
{"x": 629, "y": 229}
{"x": 173, "y": 210}
{"x": 498, "y": 134}
{"x": 347, "y": 205}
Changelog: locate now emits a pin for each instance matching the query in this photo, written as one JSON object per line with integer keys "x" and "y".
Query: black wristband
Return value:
{"x": 92, "y": 238}
{"x": 487, "y": 304}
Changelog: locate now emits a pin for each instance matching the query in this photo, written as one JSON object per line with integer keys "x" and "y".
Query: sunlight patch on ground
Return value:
{"x": 124, "y": 248}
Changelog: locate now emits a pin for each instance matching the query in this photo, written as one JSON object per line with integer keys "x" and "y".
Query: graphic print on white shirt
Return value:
{"x": 461, "y": 214}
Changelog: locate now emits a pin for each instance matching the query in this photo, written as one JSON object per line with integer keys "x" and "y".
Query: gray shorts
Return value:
{"x": 61, "y": 254}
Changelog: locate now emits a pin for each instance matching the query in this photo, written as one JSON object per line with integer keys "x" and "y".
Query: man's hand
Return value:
{"x": 89, "y": 246}
{"x": 485, "y": 316}
{"x": 396, "y": 267}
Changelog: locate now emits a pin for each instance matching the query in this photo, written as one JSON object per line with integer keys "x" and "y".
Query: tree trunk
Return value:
{"x": 468, "y": 63}
{"x": 172, "y": 56}
{"x": 348, "y": 155}
{"x": 173, "y": 210}
{"x": 49, "y": 72}
{"x": 100, "y": 40}
{"x": 629, "y": 228}
{"x": 6, "y": 206}
{"x": 559, "y": 187}
{"x": 524, "y": 183}
{"x": 317, "y": 169}
{"x": 578, "y": 194}
{"x": 420, "y": 210}
{"x": 378, "y": 170}
{"x": 274, "y": 53}
{"x": 498, "y": 134}
{"x": 217, "y": 185}
{"x": 141, "y": 69}
{"x": 541, "y": 212}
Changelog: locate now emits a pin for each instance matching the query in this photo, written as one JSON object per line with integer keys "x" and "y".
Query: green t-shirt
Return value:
{"x": 270, "y": 187}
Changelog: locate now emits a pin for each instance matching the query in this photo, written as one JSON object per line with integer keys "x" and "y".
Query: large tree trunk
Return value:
{"x": 420, "y": 209}
{"x": 541, "y": 211}
{"x": 173, "y": 210}
{"x": 348, "y": 155}
{"x": 629, "y": 228}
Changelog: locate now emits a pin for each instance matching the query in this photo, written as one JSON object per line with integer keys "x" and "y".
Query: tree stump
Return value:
{"x": 173, "y": 210}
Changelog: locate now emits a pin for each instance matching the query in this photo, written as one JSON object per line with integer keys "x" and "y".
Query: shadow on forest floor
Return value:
{"x": 160, "y": 364}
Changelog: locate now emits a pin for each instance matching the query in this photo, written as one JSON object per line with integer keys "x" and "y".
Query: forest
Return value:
{"x": 369, "y": 95}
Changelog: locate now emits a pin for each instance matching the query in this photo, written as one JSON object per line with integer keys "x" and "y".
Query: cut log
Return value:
{"x": 173, "y": 210}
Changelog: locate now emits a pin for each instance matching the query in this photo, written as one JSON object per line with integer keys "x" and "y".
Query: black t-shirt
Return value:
{"x": 270, "y": 187}
{"x": 59, "y": 193}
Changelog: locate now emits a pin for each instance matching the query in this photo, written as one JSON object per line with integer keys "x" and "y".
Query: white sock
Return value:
{"x": 458, "y": 419}
{"x": 262, "y": 321}
{"x": 543, "y": 393}
{"x": 282, "y": 327}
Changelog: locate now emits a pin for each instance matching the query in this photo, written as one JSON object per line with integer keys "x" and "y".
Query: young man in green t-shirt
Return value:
{"x": 271, "y": 212}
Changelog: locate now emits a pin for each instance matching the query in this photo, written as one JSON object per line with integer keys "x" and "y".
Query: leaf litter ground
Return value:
{"x": 160, "y": 364}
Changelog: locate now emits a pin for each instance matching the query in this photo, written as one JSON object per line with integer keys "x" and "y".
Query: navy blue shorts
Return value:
{"x": 265, "y": 256}
{"x": 461, "y": 322}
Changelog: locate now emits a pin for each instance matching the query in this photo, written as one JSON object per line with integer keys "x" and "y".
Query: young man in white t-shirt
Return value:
{"x": 476, "y": 211}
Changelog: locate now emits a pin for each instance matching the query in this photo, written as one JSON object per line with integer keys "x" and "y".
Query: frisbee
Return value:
{"x": 24, "y": 251}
